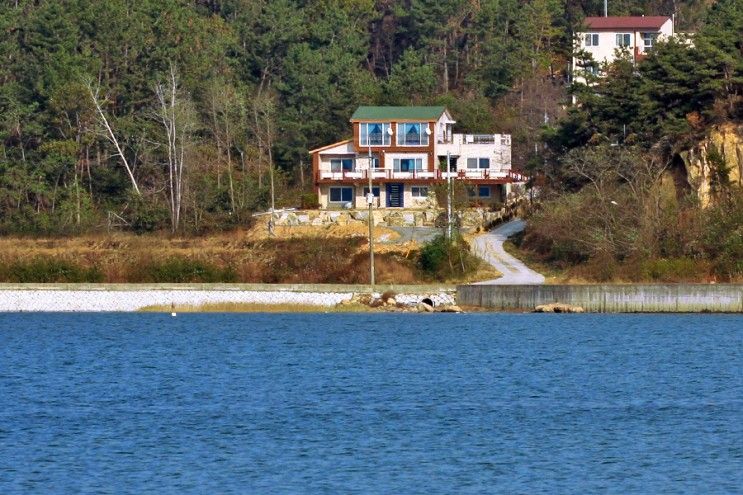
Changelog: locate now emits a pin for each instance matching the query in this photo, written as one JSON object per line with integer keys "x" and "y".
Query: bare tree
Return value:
{"x": 109, "y": 132}
{"x": 264, "y": 115}
{"x": 173, "y": 115}
{"x": 227, "y": 115}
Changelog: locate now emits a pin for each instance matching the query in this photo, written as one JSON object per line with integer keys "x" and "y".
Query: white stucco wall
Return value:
{"x": 606, "y": 51}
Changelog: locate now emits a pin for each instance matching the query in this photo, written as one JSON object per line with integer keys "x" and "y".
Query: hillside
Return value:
{"x": 90, "y": 92}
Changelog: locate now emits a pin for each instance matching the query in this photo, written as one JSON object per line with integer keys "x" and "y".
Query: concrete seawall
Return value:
{"x": 634, "y": 298}
{"x": 133, "y": 297}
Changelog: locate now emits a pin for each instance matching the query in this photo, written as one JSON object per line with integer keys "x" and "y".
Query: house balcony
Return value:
{"x": 494, "y": 146}
{"x": 386, "y": 175}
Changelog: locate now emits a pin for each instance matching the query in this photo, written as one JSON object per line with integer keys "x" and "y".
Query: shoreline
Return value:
{"x": 608, "y": 298}
{"x": 164, "y": 297}
{"x": 303, "y": 298}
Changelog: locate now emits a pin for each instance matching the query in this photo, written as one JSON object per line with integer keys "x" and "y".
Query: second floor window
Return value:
{"x": 474, "y": 163}
{"x": 591, "y": 39}
{"x": 412, "y": 134}
{"x": 341, "y": 165}
{"x": 374, "y": 134}
{"x": 624, "y": 40}
{"x": 408, "y": 164}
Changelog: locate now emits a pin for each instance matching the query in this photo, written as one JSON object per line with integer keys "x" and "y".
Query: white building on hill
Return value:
{"x": 603, "y": 36}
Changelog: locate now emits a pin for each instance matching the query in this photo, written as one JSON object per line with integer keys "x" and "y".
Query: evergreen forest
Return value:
{"x": 178, "y": 115}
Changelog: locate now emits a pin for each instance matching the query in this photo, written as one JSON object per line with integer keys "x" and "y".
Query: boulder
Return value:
{"x": 394, "y": 219}
{"x": 291, "y": 219}
{"x": 558, "y": 308}
{"x": 429, "y": 217}
{"x": 424, "y": 308}
{"x": 451, "y": 308}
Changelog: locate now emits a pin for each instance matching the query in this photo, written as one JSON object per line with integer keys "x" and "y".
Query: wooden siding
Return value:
{"x": 393, "y": 147}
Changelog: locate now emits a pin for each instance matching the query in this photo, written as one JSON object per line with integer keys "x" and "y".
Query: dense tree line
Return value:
{"x": 613, "y": 169}
{"x": 151, "y": 114}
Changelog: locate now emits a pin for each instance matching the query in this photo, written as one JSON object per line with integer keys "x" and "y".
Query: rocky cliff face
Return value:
{"x": 722, "y": 148}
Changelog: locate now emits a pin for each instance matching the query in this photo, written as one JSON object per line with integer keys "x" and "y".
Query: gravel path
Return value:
{"x": 489, "y": 247}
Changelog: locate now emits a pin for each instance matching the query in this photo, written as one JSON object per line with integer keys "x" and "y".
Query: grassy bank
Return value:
{"x": 256, "y": 308}
{"x": 598, "y": 270}
{"x": 337, "y": 257}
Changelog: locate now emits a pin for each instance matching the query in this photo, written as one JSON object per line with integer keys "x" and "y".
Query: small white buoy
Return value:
{"x": 172, "y": 314}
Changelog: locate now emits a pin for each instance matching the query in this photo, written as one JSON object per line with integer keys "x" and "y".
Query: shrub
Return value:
{"x": 445, "y": 259}
{"x": 309, "y": 201}
{"x": 41, "y": 270}
{"x": 673, "y": 270}
{"x": 147, "y": 216}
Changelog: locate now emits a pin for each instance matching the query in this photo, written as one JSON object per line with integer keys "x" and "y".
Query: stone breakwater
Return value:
{"x": 102, "y": 300}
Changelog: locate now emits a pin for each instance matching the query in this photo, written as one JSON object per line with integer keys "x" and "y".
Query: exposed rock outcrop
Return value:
{"x": 720, "y": 154}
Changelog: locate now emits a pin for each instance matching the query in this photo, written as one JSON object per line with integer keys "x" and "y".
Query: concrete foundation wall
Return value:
{"x": 650, "y": 298}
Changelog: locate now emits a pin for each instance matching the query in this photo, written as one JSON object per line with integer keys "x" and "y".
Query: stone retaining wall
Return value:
{"x": 391, "y": 217}
{"x": 634, "y": 298}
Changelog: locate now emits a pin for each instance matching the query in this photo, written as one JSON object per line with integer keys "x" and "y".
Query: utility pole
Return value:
{"x": 448, "y": 195}
{"x": 370, "y": 201}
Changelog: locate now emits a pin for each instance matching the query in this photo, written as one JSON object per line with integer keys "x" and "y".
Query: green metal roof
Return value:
{"x": 401, "y": 113}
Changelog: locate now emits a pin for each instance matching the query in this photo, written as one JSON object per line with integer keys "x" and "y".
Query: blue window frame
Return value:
{"x": 341, "y": 164}
{"x": 483, "y": 191}
{"x": 407, "y": 164}
{"x": 412, "y": 134}
{"x": 374, "y": 134}
{"x": 474, "y": 163}
{"x": 341, "y": 194}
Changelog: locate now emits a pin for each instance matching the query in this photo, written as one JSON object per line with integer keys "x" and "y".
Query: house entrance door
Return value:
{"x": 395, "y": 195}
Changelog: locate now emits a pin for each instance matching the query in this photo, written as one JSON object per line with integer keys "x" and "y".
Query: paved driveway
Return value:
{"x": 489, "y": 247}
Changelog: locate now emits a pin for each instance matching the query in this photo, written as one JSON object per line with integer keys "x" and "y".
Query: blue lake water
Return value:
{"x": 383, "y": 403}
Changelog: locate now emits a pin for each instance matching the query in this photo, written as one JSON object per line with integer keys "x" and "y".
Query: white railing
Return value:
{"x": 385, "y": 173}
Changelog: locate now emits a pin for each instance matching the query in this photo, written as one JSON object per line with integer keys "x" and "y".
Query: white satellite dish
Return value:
{"x": 428, "y": 131}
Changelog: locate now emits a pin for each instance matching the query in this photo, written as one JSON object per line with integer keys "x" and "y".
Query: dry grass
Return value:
{"x": 232, "y": 307}
{"x": 338, "y": 254}
{"x": 552, "y": 274}
{"x": 335, "y": 255}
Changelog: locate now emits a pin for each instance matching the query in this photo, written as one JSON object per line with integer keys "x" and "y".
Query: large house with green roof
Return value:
{"x": 405, "y": 150}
